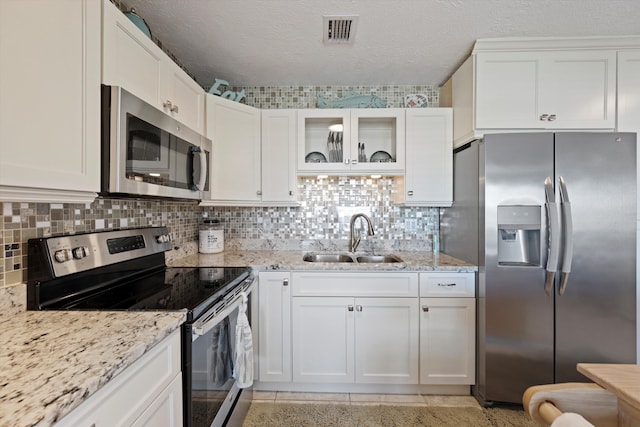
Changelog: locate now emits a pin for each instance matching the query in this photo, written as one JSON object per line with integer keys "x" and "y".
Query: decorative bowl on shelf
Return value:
{"x": 416, "y": 100}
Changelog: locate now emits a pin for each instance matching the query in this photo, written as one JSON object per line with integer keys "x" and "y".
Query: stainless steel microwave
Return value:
{"x": 145, "y": 152}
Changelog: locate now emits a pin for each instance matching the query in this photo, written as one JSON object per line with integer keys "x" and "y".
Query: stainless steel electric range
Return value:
{"x": 125, "y": 270}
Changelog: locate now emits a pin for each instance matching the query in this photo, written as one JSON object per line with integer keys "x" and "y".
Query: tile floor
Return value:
{"x": 365, "y": 399}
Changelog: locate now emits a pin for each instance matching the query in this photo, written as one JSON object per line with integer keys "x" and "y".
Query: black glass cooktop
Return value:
{"x": 170, "y": 288}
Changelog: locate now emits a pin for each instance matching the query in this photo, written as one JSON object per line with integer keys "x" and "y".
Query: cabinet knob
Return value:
{"x": 544, "y": 117}
{"x": 169, "y": 105}
{"x": 410, "y": 193}
{"x": 552, "y": 117}
{"x": 358, "y": 308}
{"x": 285, "y": 282}
{"x": 259, "y": 192}
{"x": 354, "y": 162}
{"x": 350, "y": 307}
{"x": 291, "y": 192}
{"x": 346, "y": 161}
{"x": 425, "y": 308}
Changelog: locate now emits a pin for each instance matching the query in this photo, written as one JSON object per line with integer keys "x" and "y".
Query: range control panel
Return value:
{"x": 72, "y": 254}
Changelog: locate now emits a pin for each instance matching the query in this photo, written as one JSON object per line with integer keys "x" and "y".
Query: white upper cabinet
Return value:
{"x": 131, "y": 60}
{"x": 629, "y": 96}
{"x": 629, "y": 91}
{"x": 279, "y": 184}
{"x": 428, "y": 179}
{"x": 351, "y": 141}
{"x": 536, "y": 85}
{"x": 253, "y": 155}
{"x": 235, "y": 170}
{"x": 50, "y": 102}
{"x": 548, "y": 90}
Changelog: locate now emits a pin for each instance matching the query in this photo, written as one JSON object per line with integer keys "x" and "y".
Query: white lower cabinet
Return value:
{"x": 366, "y": 334}
{"x": 274, "y": 326}
{"x": 148, "y": 393}
{"x": 447, "y": 328}
{"x": 447, "y": 340}
{"x": 323, "y": 339}
{"x": 366, "y": 328}
{"x": 361, "y": 340}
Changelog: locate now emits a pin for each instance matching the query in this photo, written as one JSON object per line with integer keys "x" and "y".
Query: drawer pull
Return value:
{"x": 425, "y": 308}
{"x": 350, "y": 307}
{"x": 285, "y": 282}
{"x": 446, "y": 284}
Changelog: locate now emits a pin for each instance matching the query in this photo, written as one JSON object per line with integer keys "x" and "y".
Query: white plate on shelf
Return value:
{"x": 315, "y": 157}
{"x": 381, "y": 157}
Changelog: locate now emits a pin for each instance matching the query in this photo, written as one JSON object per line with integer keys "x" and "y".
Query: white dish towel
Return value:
{"x": 243, "y": 366}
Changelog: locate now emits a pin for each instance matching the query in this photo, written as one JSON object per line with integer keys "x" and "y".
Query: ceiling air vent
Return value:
{"x": 339, "y": 29}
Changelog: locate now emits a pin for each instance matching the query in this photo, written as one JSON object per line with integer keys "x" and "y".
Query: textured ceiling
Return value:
{"x": 279, "y": 42}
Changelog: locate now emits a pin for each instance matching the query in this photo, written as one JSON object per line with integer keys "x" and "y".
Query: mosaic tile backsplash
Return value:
{"x": 325, "y": 208}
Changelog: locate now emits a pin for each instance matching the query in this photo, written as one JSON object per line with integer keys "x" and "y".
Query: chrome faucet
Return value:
{"x": 354, "y": 241}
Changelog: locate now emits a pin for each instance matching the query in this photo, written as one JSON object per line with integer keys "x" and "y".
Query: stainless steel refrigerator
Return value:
{"x": 550, "y": 219}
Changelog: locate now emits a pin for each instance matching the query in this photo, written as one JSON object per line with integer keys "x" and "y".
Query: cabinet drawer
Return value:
{"x": 373, "y": 284}
{"x": 447, "y": 285}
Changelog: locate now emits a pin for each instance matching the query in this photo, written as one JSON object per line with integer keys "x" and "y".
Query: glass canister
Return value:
{"x": 211, "y": 237}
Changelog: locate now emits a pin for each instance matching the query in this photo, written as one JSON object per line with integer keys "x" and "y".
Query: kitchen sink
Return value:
{"x": 338, "y": 258}
{"x": 327, "y": 258}
{"x": 378, "y": 259}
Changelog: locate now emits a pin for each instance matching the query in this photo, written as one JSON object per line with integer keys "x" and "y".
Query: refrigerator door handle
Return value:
{"x": 567, "y": 218}
{"x": 554, "y": 240}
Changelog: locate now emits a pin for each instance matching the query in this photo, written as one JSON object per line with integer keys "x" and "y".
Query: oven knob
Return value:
{"x": 80, "y": 252}
{"x": 163, "y": 238}
{"x": 62, "y": 255}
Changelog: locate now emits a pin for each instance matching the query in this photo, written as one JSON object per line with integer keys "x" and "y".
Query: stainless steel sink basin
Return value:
{"x": 363, "y": 259}
{"x": 378, "y": 259}
{"x": 327, "y": 258}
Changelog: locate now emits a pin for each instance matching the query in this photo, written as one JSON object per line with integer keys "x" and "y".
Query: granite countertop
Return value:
{"x": 51, "y": 361}
{"x": 263, "y": 260}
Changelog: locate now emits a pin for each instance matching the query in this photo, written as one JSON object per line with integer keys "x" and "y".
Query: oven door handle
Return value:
{"x": 210, "y": 319}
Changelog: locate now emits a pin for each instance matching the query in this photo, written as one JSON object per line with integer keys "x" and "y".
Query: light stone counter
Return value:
{"x": 51, "y": 361}
{"x": 262, "y": 260}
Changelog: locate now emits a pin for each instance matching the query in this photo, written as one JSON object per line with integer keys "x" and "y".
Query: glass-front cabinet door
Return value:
{"x": 323, "y": 142}
{"x": 351, "y": 141}
{"x": 377, "y": 140}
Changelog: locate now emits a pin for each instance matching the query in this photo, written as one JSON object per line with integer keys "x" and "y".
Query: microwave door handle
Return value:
{"x": 554, "y": 237}
{"x": 567, "y": 221}
{"x": 199, "y": 181}
{"x": 202, "y": 156}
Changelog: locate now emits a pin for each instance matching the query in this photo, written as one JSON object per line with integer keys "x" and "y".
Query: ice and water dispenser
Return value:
{"x": 519, "y": 235}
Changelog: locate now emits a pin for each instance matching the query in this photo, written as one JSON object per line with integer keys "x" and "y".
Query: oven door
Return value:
{"x": 150, "y": 153}
{"x": 212, "y": 397}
